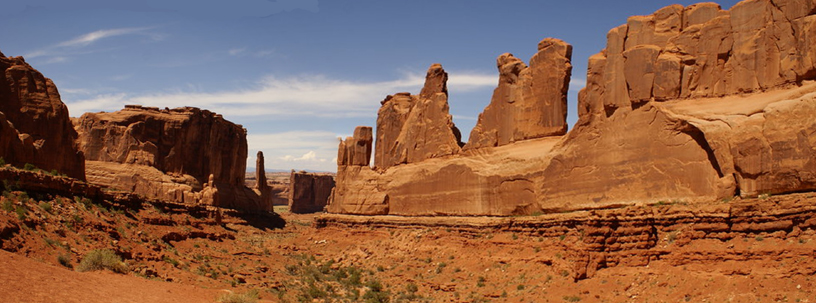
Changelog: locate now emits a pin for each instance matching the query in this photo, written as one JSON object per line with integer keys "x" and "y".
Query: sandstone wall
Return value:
{"x": 183, "y": 154}
{"x": 34, "y": 123}
{"x": 414, "y": 128}
{"x": 309, "y": 192}
{"x": 689, "y": 104}
{"x": 530, "y": 102}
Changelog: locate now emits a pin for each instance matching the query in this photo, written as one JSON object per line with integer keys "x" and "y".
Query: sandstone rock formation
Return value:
{"x": 413, "y": 128}
{"x": 691, "y": 104}
{"x": 309, "y": 192}
{"x": 183, "y": 154}
{"x": 34, "y": 123}
{"x": 262, "y": 187}
{"x": 530, "y": 102}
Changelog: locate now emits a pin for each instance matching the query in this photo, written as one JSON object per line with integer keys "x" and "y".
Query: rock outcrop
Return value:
{"x": 530, "y": 102}
{"x": 691, "y": 104}
{"x": 34, "y": 123}
{"x": 309, "y": 192}
{"x": 413, "y": 128}
{"x": 184, "y": 154}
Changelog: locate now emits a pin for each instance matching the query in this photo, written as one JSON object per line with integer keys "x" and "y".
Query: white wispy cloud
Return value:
{"x": 303, "y": 96}
{"x": 313, "y": 150}
{"x": 92, "y": 37}
{"x": 59, "y": 51}
{"x": 576, "y": 84}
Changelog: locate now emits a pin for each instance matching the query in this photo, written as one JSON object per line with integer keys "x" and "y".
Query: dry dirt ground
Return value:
{"x": 178, "y": 254}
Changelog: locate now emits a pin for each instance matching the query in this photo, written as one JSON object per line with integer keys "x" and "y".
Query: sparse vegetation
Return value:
{"x": 572, "y": 298}
{"x": 100, "y": 259}
{"x": 251, "y": 296}
{"x": 29, "y": 167}
{"x": 2, "y": 161}
{"x": 64, "y": 261}
{"x": 480, "y": 282}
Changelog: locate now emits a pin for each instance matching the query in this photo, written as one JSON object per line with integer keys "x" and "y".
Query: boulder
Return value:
{"x": 34, "y": 124}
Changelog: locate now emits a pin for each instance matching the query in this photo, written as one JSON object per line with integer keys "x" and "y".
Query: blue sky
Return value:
{"x": 296, "y": 73}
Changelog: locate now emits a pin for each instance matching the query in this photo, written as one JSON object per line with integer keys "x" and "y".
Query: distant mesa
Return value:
{"x": 309, "y": 192}
{"x": 687, "y": 104}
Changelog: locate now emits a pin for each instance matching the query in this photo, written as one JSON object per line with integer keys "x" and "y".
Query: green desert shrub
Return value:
{"x": 100, "y": 259}
{"x": 29, "y": 166}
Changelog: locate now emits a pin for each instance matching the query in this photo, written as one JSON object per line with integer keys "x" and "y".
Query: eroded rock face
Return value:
{"x": 530, "y": 102}
{"x": 309, "y": 192}
{"x": 691, "y": 104}
{"x": 413, "y": 128}
{"x": 34, "y": 123}
{"x": 702, "y": 51}
{"x": 177, "y": 154}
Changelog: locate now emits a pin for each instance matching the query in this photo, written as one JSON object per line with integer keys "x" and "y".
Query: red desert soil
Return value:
{"x": 181, "y": 253}
{"x": 26, "y": 280}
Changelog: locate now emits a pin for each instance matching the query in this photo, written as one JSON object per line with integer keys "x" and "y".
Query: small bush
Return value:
{"x": 2, "y": 161}
{"x": 29, "y": 166}
{"x": 481, "y": 281}
{"x": 46, "y": 206}
{"x": 248, "y": 297}
{"x": 8, "y": 205}
{"x": 572, "y": 298}
{"x": 100, "y": 259}
{"x": 64, "y": 261}
{"x": 411, "y": 288}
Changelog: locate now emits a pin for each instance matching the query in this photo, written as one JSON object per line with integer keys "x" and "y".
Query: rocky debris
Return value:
{"x": 530, "y": 102}
{"x": 413, "y": 128}
{"x": 698, "y": 108}
{"x": 34, "y": 124}
{"x": 309, "y": 192}
{"x": 183, "y": 154}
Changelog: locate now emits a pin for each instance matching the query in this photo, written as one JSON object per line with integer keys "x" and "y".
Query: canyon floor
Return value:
{"x": 190, "y": 254}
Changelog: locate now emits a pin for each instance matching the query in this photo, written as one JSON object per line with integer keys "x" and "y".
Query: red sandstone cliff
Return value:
{"x": 530, "y": 102}
{"x": 34, "y": 123}
{"x": 688, "y": 104}
{"x": 309, "y": 192}
{"x": 413, "y": 128}
{"x": 183, "y": 154}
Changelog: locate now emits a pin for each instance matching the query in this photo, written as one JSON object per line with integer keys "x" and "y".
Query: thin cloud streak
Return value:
{"x": 81, "y": 41}
{"x": 87, "y": 39}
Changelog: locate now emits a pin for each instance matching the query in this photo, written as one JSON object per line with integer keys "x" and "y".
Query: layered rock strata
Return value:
{"x": 691, "y": 104}
{"x": 34, "y": 124}
{"x": 309, "y": 192}
{"x": 184, "y": 154}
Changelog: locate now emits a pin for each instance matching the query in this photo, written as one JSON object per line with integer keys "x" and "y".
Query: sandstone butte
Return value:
{"x": 34, "y": 124}
{"x": 690, "y": 104}
{"x": 309, "y": 192}
{"x": 185, "y": 155}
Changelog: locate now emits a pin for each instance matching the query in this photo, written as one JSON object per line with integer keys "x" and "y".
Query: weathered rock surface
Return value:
{"x": 530, "y": 102}
{"x": 34, "y": 123}
{"x": 413, "y": 128}
{"x": 309, "y": 192}
{"x": 184, "y": 154}
{"x": 691, "y": 104}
